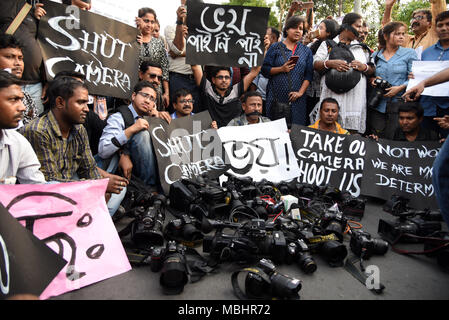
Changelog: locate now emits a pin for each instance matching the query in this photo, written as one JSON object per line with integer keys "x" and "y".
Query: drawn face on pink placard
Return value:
{"x": 73, "y": 220}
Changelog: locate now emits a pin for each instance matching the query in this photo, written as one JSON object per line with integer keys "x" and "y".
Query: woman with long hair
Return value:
{"x": 393, "y": 65}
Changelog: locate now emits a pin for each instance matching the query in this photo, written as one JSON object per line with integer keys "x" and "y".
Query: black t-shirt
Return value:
{"x": 94, "y": 127}
{"x": 26, "y": 34}
{"x": 221, "y": 109}
{"x": 424, "y": 134}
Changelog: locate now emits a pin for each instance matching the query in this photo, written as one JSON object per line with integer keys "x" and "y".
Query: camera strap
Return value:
{"x": 197, "y": 265}
{"x": 356, "y": 273}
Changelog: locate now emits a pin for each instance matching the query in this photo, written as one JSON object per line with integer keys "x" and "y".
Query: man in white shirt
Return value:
{"x": 18, "y": 162}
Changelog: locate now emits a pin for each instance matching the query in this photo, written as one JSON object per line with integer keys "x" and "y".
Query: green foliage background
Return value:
{"x": 372, "y": 11}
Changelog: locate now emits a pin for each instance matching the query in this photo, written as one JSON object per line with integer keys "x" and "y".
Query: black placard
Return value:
{"x": 223, "y": 35}
{"x": 402, "y": 168}
{"x": 186, "y": 148}
{"x": 326, "y": 158}
{"x": 27, "y": 265}
{"x": 104, "y": 50}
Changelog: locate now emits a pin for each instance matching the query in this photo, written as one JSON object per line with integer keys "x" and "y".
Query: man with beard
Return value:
{"x": 151, "y": 72}
{"x": 252, "y": 110}
{"x": 411, "y": 115}
{"x": 61, "y": 142}
{"x": 329, "y": 109}
{"x": 421, "y": 24}
{"x": 17, "y": 158}
{"x": 126, "y": 133}
{"x": 12, "y": 60}
{"x": 218, "y": 96}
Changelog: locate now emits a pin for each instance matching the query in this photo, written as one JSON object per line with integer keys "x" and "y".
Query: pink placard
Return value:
{"x": 72, "y": 219}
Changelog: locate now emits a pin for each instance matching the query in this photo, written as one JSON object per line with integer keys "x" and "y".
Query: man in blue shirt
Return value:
{"x": 437, "y": 106}
{"x": 126, "y": 133}
{"x": 182, "y": 103}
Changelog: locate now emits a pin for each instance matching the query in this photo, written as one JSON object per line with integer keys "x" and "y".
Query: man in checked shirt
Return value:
{"x": 61, "y": 142}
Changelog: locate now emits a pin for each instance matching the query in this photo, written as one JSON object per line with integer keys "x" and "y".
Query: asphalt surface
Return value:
{"x": 405, "y": 277}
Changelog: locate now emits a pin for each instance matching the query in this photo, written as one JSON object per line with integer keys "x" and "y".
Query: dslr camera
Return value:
{"x": 380, "y": 89}
{"x": 364, "y": 246}
{"x": 299, "y": 252}
{"x": 183, "y": 229}
{"x": 263, "y": 282}
{"x": 171, "y": 261}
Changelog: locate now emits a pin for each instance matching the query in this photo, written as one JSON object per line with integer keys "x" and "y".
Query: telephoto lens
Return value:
{"x": 174, "y": 269}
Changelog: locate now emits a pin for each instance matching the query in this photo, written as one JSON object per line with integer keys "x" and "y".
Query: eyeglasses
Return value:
{"x": 184, "y": 101}
{"x": 223, "y": 77}
{"x": 147, "y": 96}
{"x": 417, "y": 18}
{"x": 153, "y": 76}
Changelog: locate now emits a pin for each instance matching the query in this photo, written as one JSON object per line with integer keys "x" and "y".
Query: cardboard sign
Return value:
{"x": 261, "y": 151}
{"x": 401, "y": 168}
{"x": 27, "y": 265}
{"x": 73, "y": 220}
{"x": 102, "y": 49}
{"x": 326, "y": 158}
{"x": 223, "y": 35}
{"x": 186, "y": 148}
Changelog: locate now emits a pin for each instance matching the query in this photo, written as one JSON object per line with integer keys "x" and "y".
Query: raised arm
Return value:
{"x": 388, "y": 10}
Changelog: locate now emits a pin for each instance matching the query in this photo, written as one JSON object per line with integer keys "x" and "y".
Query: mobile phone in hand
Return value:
{"x": 294, "y": 59}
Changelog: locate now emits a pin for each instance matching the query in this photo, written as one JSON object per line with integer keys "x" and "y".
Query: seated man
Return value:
{"x": 182, "y": 103}
{"x": 11, "y": 60}
{"x": 252, "y": 105}
{"x": 17, "y": 158}
{"x": 127, "y": 133}
{"x": 329, "y": 109}
{"x": 411, "y": 115}
{"x": 61, "y": 143}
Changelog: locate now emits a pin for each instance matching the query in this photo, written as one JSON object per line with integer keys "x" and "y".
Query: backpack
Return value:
{"x": 342, "y": 82}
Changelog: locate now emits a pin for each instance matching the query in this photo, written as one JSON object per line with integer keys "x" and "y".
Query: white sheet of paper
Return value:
{"x": 262, "y": 150}
{"x": 425, "y": 69}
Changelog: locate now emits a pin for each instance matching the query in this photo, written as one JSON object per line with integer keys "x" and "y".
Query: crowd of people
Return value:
{"x": 322, "y": 76}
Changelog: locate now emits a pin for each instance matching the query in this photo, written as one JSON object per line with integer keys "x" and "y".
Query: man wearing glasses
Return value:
{"x": 151, "y": 72}
{"x": 219, "y": 97}
{"x": 182, "y": 103}
{"x": 126, "y": 134}
{"x": 421, "y": 24}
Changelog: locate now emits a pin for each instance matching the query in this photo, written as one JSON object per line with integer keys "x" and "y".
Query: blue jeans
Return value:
{"x": 116, "y": 199}
{"x": 440, "y": 179}
{"x": 143, "y": 158}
